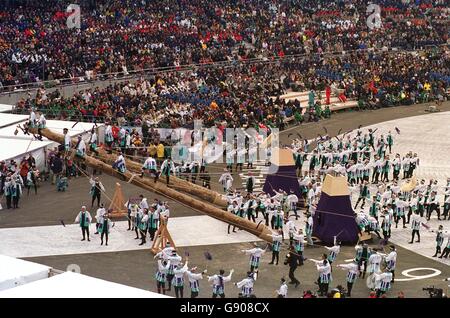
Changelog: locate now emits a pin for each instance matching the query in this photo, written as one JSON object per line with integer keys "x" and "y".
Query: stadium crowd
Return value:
{"x": 124, "y": 36}
{"x": 259, "y": 49}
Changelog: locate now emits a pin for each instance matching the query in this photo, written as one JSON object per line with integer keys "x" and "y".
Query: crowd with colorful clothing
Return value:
{"x": 16, "y": 178}
{"x": 252, "y": 65}
{"x": 195, "y": 32}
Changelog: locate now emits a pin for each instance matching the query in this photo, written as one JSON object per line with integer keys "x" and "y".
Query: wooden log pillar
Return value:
{"x": 259, "y": 230}
{"x": 183, "y": 185}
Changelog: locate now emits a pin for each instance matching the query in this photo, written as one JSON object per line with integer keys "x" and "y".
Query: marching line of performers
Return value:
{"x": 275, "y": 210}
{"x": 187, "y": 170}
{"x": 144, "y": 218}
{"x": 361, "y": 157}
{"x": 423, "y": 198}
{"x": 379, "y": 267}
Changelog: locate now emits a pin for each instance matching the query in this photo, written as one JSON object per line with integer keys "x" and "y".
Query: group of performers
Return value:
{"x": 146, "y": 218}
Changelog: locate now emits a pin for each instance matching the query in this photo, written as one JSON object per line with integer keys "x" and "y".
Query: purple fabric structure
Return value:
{"x": 284, "y": 178}
{"x": 337, "y": 219}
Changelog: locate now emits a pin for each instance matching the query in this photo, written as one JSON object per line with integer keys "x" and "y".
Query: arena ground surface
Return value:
{"x": 24, "y": 227}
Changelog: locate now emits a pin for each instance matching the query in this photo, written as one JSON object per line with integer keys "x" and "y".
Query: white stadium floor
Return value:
{"x": 427, "y": 135}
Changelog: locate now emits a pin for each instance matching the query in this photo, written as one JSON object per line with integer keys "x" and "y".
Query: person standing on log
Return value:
{"x": 119, "y": 164}
{"x": 167, "y": 168}
{"x": 150, "y": 166}
{"x": 93, "y": 139}
{"x": 80, "y": 147}
{"x": 67, "y": 140}
{"x": 109, "y": 137}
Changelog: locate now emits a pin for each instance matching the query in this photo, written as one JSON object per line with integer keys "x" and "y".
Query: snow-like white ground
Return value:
{"x": 427, "y": 135}
{"x": 60, "y": 240}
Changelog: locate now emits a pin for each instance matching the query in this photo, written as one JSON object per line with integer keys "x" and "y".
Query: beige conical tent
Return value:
{"x": 334, "y": 217}
{"x": 282, "y": 174}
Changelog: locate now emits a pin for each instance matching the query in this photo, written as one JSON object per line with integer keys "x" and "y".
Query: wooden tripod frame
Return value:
{"x": 162, "y": 236}
{"x": 118, "y": 203}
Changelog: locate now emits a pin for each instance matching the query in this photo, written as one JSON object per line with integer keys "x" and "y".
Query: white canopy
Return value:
{"x": 56, "y": 126}
{"x": 5, "y": 108}
{"x": 15, "y": 272}
{"x": 11, "y": 119}
{"x": 80, "y": 128}
{"x": 16, "y": 146}
{"x": 73, "y": 285}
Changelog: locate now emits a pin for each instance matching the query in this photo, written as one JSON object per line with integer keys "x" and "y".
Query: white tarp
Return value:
{"x": 80, "y": 128}
{"x": 73, "y": 285}
{"x": 16, "y": 148}
{"x": 56, "y": 126}
{"x": 11, "y": 119}
{"x": 16, "y": 272}
{"x": 5, "y": 108}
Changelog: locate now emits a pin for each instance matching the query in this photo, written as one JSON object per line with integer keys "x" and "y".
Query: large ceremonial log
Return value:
{"x": 180, "y": 184}
{"x": 260, "y": 230}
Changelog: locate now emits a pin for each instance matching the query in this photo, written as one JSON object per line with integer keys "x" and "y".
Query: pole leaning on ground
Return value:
{"x": 180, "y": 184}
{"x": 259, "y": 230}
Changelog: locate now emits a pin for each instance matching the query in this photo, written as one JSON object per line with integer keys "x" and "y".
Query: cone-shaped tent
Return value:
{"x": 282, "y": 174}
{"x": 334, "y": 215}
